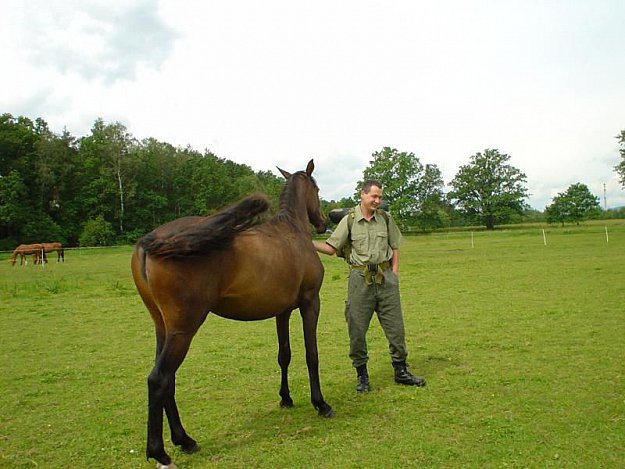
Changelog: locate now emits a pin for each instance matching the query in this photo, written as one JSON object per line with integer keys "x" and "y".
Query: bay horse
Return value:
{"x": 55, "y": 247}
{"x": 237, "y": 269}
{"x": 24, "y": 250}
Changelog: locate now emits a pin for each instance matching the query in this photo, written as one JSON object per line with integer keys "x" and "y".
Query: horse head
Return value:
{"x": 311, "y": 196}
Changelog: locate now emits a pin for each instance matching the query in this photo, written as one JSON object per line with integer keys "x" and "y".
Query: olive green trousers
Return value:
{"x": 362, "y": 301}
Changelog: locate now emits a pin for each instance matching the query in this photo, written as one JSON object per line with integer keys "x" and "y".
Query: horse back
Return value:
{"x": 29, "y": 248}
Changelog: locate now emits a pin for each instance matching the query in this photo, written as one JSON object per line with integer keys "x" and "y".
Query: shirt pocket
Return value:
{"x": 381, "y": 242}
{"x": 360, "y": 243}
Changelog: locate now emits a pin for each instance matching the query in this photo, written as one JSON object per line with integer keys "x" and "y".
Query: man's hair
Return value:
{"x": 366, "y": 186}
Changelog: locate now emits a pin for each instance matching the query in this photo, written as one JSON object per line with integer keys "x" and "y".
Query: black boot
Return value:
{"x": 403, "y": 376}
{"x": 363, "y": 379}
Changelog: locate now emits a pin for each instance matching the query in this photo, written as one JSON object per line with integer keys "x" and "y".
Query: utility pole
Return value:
{"x": 605, "y": 199}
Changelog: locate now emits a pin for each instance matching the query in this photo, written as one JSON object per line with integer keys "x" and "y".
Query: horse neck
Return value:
{"x": 293, "y": 205}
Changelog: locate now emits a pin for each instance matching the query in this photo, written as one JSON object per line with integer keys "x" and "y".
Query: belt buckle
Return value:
{"x": 373, "y": 268}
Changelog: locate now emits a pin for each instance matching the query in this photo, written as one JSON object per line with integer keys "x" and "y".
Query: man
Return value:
{"x": 373, "y": 282}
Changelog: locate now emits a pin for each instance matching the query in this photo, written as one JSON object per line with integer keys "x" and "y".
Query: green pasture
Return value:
{"x": 522, "y": 344}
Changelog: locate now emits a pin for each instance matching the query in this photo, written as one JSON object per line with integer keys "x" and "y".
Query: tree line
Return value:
{"x": 108, "y": 187}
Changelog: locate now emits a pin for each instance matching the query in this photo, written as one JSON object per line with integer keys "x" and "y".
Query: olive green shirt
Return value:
{"x": 372, "y": 241}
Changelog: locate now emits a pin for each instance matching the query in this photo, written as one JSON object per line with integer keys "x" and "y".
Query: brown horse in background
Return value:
{"x": 24, "y": 250}
{"x": 54, "y": 247}
{"x": 227, "y": 265}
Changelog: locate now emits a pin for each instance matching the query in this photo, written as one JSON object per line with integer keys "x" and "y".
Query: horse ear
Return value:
{"x": 310, "y": 168}
{"x": 286, "y": 174}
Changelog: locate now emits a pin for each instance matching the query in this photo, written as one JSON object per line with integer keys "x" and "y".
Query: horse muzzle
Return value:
{"x": 320, "y": 229}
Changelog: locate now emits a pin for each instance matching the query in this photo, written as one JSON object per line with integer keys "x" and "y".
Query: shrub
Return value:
{"x": 97, "y": 232}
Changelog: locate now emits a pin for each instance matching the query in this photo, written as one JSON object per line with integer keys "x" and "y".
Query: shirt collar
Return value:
{"x": 359, "y": 216}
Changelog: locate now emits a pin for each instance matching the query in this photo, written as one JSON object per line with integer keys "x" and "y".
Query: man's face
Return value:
{"x": 371, "y": 200}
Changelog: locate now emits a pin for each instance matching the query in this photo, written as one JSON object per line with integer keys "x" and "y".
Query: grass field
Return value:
{"x": 522, "y": 344}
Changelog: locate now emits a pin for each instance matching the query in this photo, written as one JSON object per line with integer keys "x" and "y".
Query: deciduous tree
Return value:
{"x": 106, "y": 151}
{"x": 410, "y": 188}
{"x": 574, "y": 205}
{"x": 489, "y": 190}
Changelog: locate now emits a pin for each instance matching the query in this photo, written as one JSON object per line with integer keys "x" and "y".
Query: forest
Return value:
{"x": 109, "y": 188}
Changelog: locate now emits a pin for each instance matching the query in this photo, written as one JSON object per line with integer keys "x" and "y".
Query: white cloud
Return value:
{"x": 97, "y": 40}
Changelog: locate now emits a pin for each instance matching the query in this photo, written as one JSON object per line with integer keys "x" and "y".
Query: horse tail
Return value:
{"x": 142, "y": 257}
{"x": 210, "y": 233}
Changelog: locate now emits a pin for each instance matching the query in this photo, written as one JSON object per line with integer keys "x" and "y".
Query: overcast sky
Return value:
{"x": 271, "y": 82}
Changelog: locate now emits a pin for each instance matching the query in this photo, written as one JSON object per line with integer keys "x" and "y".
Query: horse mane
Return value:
{"x": 207, "y": 233}
{"x": 285, "y": 211}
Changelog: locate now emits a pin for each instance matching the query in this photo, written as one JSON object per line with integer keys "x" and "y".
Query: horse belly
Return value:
{"x": 252, "y": 303}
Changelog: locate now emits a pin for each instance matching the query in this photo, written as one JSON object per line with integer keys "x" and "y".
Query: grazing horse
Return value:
{"x": 54, "y": 247}
{"x": 24, "y": 250}
{"x": 238, "y": 269}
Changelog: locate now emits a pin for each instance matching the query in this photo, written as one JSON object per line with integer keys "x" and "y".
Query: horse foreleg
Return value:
{"x": 310, "y": 317}
{"x": 161, "y": 392}
{"x": 284, "y": 357}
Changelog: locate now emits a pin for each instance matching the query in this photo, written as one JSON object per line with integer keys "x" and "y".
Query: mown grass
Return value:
{"x": 522, "y": 345}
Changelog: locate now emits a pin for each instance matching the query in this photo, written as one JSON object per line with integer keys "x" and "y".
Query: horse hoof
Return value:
{"x": 286, "y": 404}
{"x": 326, "y": 412}
{"x": 166, "y": 466}
{"x": 191, "y": 448}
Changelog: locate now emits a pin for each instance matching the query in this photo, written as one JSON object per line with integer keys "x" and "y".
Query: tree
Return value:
{"x": 216, "y": 182}
{"x": 153, "y": 170}
{"x": 56, "y": 167}
{"x": 432, "y": 213}
{"x": 489, "y": 190}
{"x": 41, "y": 228}
{"x": 576, "y": 204}
{"x": 620, "y": 168}
{"x": 409, "y": 187}
{"x": 106, "y": 151}
{"x": 17, "y": 143}
{"x": 13, "y": 212}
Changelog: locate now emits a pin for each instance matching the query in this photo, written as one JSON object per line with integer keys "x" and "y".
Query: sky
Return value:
{"x": 278, "y": 82}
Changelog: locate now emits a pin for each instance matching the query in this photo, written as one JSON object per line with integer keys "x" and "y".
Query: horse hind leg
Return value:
{"x": 284, "y": 357}
{"x": 170, "y": 352}
{"x": 179, "y": 436}
{"x": 161, "y": 396}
